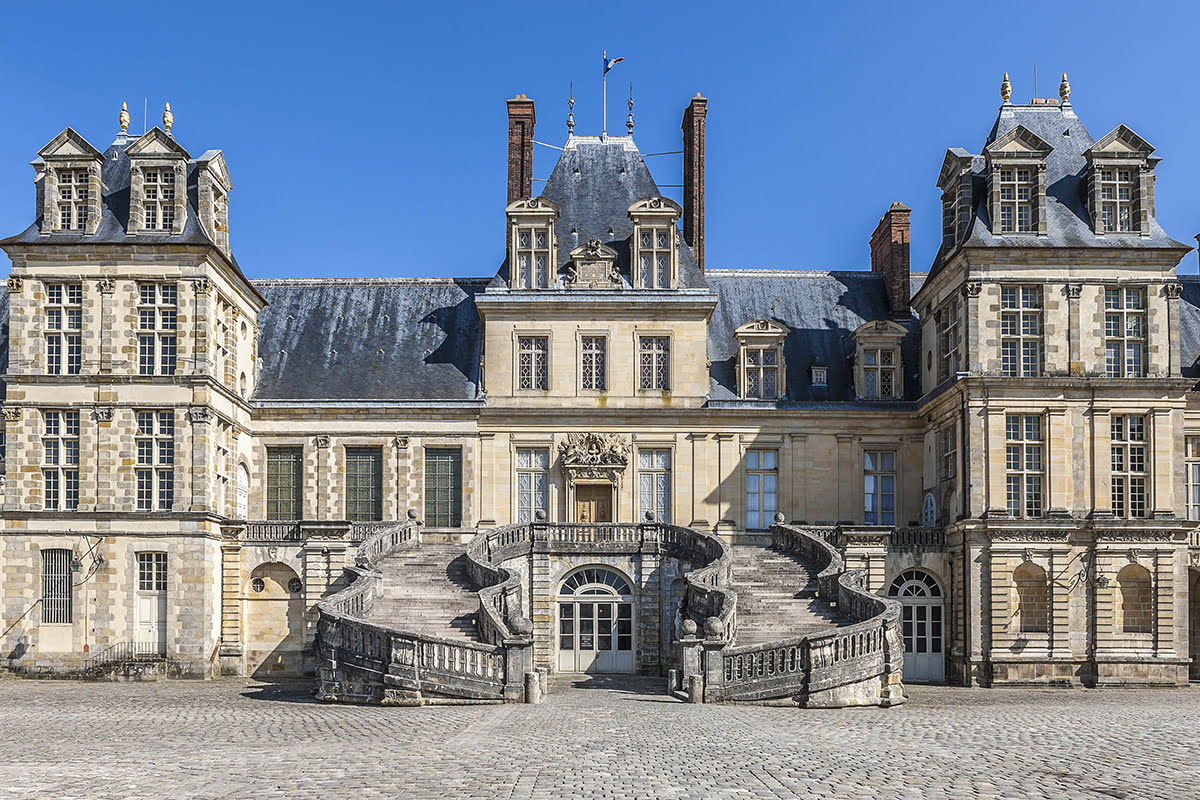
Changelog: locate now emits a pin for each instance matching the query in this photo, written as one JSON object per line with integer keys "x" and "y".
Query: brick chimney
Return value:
{"x": 520, "y": 148}
{"x": 693, "y": 176}
{"x": 889, "y": 257}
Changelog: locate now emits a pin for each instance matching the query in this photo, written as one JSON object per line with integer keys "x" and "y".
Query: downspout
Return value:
{"x": 966, "y": 616}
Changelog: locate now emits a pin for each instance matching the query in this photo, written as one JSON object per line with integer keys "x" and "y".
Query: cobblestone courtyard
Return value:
{"x": 237, "y": 739}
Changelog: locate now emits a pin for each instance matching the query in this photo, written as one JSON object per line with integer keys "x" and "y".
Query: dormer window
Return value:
{"x": 760, "y": 359}
{"x": 1017, "y": 187}
{"x": 158, "y": 199}
{"x": 157, "y": 184}
{"x": 1120, "y": 183}
{"x": 74, "y": 199}
{"x": 820, "y": 377}
{"x": 531, "y": 243}
{"x": 1116, "y": 200}
{"x": 877, "y": 369}
{"x": 68, "y": 176}
{"x": 1016, "y": 170}
{"x": 655, "y": 243}
{"x": 879, "y": 373}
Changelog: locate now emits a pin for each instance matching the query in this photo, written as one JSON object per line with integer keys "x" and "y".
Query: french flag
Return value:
{"x": 610, "y": 62}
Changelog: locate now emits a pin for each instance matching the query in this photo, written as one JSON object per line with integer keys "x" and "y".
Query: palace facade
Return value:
{"x": 1008, "y": 443}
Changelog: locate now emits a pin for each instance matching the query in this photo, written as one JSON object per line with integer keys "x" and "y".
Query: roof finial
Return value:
{"x": 629, "y": 119}
{"x": 571, "y": 111}
{"x": 123, "y": 119}
{"x": 1064, "y": 90}
{"x": 1005, "y": 88}
{"x": 168, "y": 118}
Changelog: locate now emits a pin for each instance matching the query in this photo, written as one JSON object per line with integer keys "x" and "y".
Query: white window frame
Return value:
{"x": 532, "y": 482}
{"x": 762, "y": 487}
{"x": 593, "y": 362}
{"x": 654, "y": 482}
{"x": 63, "y": 320}
{"x": 158, "y": 198}
{"x": 532, "y": 261}
{"x": 158, "y": 328}
{"x": 654, "y": 362}
{"x": 820, "y": 376}
{"x": 1025, "y": 465}
{"x": 879, "y": 487}
{"x": 655, "y": 256}
{"x": 1125, "y": 331}
{"x": 154, "y": 473}
{"x": 533, "y": 363}
{"x": 1021, "y": 331}
{"x": 880, "y": 373}
{"x": 1118, "y": 192}
{"x": 74, "y": 199}
{"x": 1130, "y": 448}
{"x": 60, "y": 460}
{"x": 762, "y": 365}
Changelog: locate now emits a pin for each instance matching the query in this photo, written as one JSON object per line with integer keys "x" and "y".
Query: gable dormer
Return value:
{"x": 958, "y": 201}
{"x": 1120, "y": 183}
{"x": 531, "y": 244}
{"x": 157, "y": 184}
{"x": 878, "y": 372}
{"x": 1016, "y": 180}
{"x": 761, "y": 371}
{"x": 212, "y": 197}
{"x": 654, "y": 246}
{"x": 68, "y": 169}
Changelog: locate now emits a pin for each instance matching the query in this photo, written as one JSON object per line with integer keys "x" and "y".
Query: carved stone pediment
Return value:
{"x": 594, "y": 456}
{"x": 593, "y": 266}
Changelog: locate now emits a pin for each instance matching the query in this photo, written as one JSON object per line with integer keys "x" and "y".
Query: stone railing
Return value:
{"x": 272, "y": 532}
{"x": 917, "y": 538}
{"x": 859, "y": 664}
{"x": 365, "y": 662}
{"x": 297, "y": 531}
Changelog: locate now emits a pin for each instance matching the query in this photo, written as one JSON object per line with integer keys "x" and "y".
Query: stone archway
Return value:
{"x": 274, "y": 619}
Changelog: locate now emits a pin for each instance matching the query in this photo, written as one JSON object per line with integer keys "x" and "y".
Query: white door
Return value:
{"x": 151, "y": 633}
{"x": 923, "y": 625}
{"x": 595, "y": 622}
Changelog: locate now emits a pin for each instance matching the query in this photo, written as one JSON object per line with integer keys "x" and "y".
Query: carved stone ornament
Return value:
{"x": 1127, "y": 535}
{"x": 200, "y": 415}
{"x": 321, "y": 441}
{"x": 12, "y": 414}
{"x": 14, "y": 284}
{"x": 203, "y": 286}
{"x": 102, "y": 414}
{"x": 1074, "y": 290}
{"x": 1029, "y": 536}
{"x": 591, "y": 456}
{"x": 1194, "y": 558}
{"x": 1173, "y": 290}
{"x": 401, "y": 442}
{"x": 107, "y": 285}
{"x": 593, "y": 266}
{"x": 973, "y": 289}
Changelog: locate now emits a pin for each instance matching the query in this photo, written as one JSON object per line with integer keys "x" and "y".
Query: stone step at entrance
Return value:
{"x": 427, "y": 591}
{"x": 777, "y": 596}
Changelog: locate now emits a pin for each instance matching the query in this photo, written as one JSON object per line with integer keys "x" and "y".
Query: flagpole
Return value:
{"x": 604, "y": 113}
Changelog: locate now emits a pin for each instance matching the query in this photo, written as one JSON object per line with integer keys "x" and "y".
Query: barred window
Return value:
{"x": 879, "y": 373}
{"x": 594, "y": 367}
{"x": 654, "y": 257}
{"x": 946, "y": 320}
{"x": 654, "y": 366}
{"x": 761, "y": 372}
{"x": 654, "y": 484}
{"x": 155, "y": 470}
{"x": 1192, "y": 465}
{"x": 60, "y": 460}
{"x": 158, "y": 199}
{"x": 158, "y": 324}
{"x": 762, "y": 479}
{"x": 73, "y": 199}
{"x": 879, "y": 484}
{"x": 443, "y": 487}
{"x": 63, "y": 323}
{"x": 533, "y": 483}
{"x": 1017, "y": 188}
{"x": 152, "y": 572}
{"x": 1129, "y": 475}
{"x": 284, "y": 481}
{"x": 1117, "y": 190}
{"x": 1125, "y": 332}
{"x": 56, "y": 587}
{"x": 364, "y": 484}
{"x": 532, "y": 356}
{"x": 1024, "y": 464}
{"x": 532, "y": 258}
{"x": 1021, "y": 331}
{"x": 947, "y": 445}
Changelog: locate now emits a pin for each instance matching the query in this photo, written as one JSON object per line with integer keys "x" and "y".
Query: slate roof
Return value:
{"x": 593, "y": 184}
{"x": 822, "y": 309}
{"x": 1189, "y": 326}
{"x": 3, "y": 342}
{"x": 1068, "y": 223}
{"x": 369, "y": 339}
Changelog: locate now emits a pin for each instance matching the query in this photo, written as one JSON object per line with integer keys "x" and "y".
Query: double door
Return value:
{"x": 595, "y": 635}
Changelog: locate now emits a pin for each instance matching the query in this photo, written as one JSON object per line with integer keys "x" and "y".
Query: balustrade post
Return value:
{"x": 518, "y": 660}
{"x": 891, "y": 690}
{"x": 714, "y": 670}
{"x": 690, "y": 659}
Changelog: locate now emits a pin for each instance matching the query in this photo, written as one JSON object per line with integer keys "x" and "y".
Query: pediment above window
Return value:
{"x": 878, "y": 330}
{"x": 68, "y": 172}
{"x": 70, "y": 145}
{"x": 1120, "y": 142}
{"x": 1018, "y": 142}
{"x": 532, "y": 207}
{"x": 656, "y": 206}
{"x": 156, "y": 143}
{"x": 762, "y": 331}
{"x": 593, "y": 266}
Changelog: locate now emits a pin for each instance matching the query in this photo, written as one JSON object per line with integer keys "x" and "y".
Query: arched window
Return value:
{"x": 915, "y": 583}
{"x": 1031, "y": 599}
{"x": 1135, "y": 600}
{"x": 595, "y": 580}
{"x": 921, "y": 621}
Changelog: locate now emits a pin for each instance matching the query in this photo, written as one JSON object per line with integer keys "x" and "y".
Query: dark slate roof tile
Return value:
{"x": 1189, "y": 326}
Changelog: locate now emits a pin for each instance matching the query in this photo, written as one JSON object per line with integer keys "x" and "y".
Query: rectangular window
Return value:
{"x": 155, "y": 470}
{"x": 879, "y": 485}
{"x": 56, "y": 587}
{"x": 654, "y": 354}
{"x": 532, "y": 356}
{"x": 654, "y": 484}
{"x": 73, "y": 198}
{"x": 533, "y": 484}
{"x": 1129, "y": 458}
{"x": 1021, "y": 331}
{"x": 443, "y": 488}
{"x": 1117, "y": 190}
{"x": 1024, "y": 464}
{"x": 63, "y": 324}
{"x": 1017, "y": 187}
{"x": 654, "y": 257}
{"x": 593, "y": 365}
{"x": 1125, "y": 332}
{"x": 158, "y": 198}
{"x": 60, "y": 460}
{"x": 364, "y": 484}
{"x": 284, "y": 479}
{"x": 152, "y": 572}
{"x": 762, "y": 477}
{"x": 947, "y": 453}
{"x": 879, "y": 373}
{"x": 532, "y": 258}
{"x": 1192, "y": 465}
{"x": 158, "y": 324}
{"x": 762, "y": 372}
{"x": 947, "y": 332}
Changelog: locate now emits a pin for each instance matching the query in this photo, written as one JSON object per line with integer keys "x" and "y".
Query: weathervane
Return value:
{"x": 607, "y": 66}
{"x": 571, "y": 111}
{"x": 629, "y": 120}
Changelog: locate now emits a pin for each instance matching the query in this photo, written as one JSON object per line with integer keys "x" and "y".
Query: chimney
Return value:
{"x": 693, "y": 176}
{"x": 889, "y": 258}
{"x": 520, "y": 148}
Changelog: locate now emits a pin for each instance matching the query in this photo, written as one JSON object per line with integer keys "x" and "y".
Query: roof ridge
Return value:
{"x": 764, "y": 272}
{"x": 397, "y": 281}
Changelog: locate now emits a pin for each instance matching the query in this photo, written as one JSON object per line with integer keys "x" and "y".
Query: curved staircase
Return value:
{"x": 777, "y": 596}
{"x": 427, "y": 591}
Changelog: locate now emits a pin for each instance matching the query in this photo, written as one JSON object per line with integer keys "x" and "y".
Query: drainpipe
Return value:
{"x": 966, "y": 617}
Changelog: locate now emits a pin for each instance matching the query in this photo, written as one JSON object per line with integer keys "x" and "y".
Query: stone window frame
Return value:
{"x": 1121, "y": 149}
{"x": 61, "y": 458}
{"x": 1117, "y": 320}
{"x": 155, "y": 461}
{"x": 1130, "y": 476}
{"x": 1025, "y": 452}
{"x": 69, "y": 152}
{"x": 533, "y": 215}
{"x": 62, "y": 318}
{"x": 878, "y": 341}
{"x": 57, "y": 586}
{"x": 163, "y": 334}
{"x": 1191, "y": 461}
{"x": 1125, "y": 599}
{"x": 1024, "y": 624}
{"x": 582, "y": 337}
{"x": 1017, "y": 150}
{"x": 537, "y": 375}
{"x": 653, "y": 385}
{"x": 654, "y": 446}
{"x": 820, "y": 376}
{"x": 654, "y": 216}
{"x": 764, "y": 338}
{"x": 155, "y": 151}
{"x": 1022, "y": 331}
{"x": 947, "y": 324}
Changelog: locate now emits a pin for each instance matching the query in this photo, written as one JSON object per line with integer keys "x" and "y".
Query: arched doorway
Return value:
{"x": 595, "y": 622}
{"x": 1194, "y": 623}
{"x": 921, "y": 597}
{"x": 274, "y": 621}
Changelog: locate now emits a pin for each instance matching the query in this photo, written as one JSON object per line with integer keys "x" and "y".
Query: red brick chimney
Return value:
{"x": 889, "y": 257}
{"x": 693, "y": 176}
{"x": 520, "y": 148}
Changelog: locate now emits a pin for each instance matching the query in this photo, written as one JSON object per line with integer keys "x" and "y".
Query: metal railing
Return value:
{"x": 123, "y": 653}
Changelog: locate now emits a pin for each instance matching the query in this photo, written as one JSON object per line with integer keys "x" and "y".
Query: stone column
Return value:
{"x": 849, "y": 485}
{"x": 730, "y": 501}
{"x": 1162, "y": 463}
{"x": 1074, "y": 356}
{"x": 231, "y": 600}
{"x": 799, "y": 477}
{"x": 200, "y": 417}
{"x": 701, "y": 480}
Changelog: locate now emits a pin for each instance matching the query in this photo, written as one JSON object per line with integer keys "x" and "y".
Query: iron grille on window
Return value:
{"x": 1129, "y": 476}
{"x": 532, "y": 370}
{"x": 654, "y": 367}
{"x": 1125, "y": 332}
{"x": 155, "y": 471}
{"x": 158, "y": 312}
{"x": 1024, "y": 464}
{"x": 1021, "y": 331}
{"x": 283, "y": 483}
{"x": 60, "y": 460}
{"x": 593, "y": 367}
{"x": 443, "y": 488}
{"x": 364, "y": 484}
{"x": 64, "y": 328}
{"x": 56, "y": 587}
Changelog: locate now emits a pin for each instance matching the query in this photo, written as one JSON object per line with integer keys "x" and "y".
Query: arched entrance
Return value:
{"x": 595, "y": 622}
{"x": 1194, "y": 623}
{"x": 919, "y": 593}
{"x": 274, "y": 621}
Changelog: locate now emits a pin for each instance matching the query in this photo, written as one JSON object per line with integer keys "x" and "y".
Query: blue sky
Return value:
{"x": 368, "y": 139}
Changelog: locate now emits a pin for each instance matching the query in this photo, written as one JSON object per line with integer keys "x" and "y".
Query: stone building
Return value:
{"x": 1007, "y": 445}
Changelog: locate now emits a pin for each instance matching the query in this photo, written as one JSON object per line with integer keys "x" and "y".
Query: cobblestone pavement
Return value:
{"x": 241, "y": 739}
